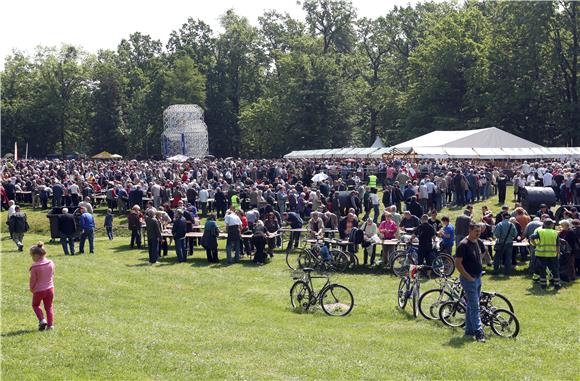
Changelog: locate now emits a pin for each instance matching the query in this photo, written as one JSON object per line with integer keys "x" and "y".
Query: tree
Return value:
{"x": 333, "y": 21}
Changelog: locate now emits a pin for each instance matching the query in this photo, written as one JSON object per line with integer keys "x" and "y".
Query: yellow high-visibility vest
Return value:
{"x": 372, "y": 181}
{"x": 235, "y": 200}
{"x": 547, "y": 243}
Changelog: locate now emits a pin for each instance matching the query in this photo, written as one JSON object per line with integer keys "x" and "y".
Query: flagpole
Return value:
{"x": 26, "y": 154}
{"x": 15, "y": 151}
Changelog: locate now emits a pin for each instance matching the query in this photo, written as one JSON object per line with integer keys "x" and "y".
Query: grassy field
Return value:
{"x": 117, "y": 318}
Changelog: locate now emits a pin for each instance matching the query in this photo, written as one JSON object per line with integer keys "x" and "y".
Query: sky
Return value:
{"x": 95, "y": 25}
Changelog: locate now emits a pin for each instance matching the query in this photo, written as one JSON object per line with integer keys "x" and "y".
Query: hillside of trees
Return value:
{"x": 331, "y": 80}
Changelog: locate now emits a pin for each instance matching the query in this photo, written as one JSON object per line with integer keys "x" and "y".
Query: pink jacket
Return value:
{"x": 41, "y": 275}
{"x": 388, "y": 229}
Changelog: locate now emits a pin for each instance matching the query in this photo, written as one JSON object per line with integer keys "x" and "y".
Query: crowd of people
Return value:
{"x": 255, "y": 198}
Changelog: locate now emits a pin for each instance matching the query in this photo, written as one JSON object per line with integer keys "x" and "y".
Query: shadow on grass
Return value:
{"x": 459, "y": 341}
{"x": 19, "y": 332}
{"x": 404, "y": 313}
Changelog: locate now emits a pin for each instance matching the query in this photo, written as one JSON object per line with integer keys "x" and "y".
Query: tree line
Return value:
{"x": 331, "y": 80}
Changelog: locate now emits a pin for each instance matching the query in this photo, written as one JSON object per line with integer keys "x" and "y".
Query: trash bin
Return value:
{"x": 53, "y": 218}
{"x": 533, "y": 197}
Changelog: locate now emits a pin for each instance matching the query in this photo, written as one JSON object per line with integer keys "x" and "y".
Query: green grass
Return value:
{"x": 117, "y": 317}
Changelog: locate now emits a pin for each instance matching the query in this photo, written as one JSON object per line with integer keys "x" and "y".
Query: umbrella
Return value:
{"x": 319, "y": 177}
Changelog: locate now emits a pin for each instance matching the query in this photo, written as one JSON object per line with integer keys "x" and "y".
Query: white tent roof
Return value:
{"x": 484, "y": 138}
{"x": 461, "y": 153}
{"x": 378, "y": 143}
{"x": 431, "y": 152}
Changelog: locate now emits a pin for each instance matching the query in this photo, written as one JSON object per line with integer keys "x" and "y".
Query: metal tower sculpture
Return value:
{"x": 184, "y": 131}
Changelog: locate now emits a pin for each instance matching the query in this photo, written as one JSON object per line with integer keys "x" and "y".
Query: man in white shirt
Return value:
{"x": 203, "y": 197}
{"x": 547, "y": 179}
{"x": 374, "y": 198}
{"x": 74, "y": 191}
{"x": 156, "y": 193}
{"x": 234, "y": 229}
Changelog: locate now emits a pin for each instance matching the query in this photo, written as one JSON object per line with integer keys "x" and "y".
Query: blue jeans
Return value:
{"x": 180, "y": 249}
{"x": 236, "y": 246}
{"x": 503, "y": 253}
{"x": 472, "y": 293}
{"x": 67, "y": 242}
{"x": 90, "y": 234}
{"x": 376, "y": 213}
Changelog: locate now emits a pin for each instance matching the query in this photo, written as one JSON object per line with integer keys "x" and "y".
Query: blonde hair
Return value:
{"x": 38, "y": 249}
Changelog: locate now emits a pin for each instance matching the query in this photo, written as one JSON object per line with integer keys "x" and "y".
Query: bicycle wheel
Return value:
{"x": 336, "y": 300}
{"x": 415, "y": 298}
{"x": 401, "y": 264}
{"x": 443, "y": 264}
{"x": 340, "y": 261}
{"x": 402, "y": 292}
{"x": 292, "y": 260}
{"x": 300, "y": 295}
{"x": 505, "y": 324}
{"x": 498, "y": 301}
{"x": 452, "y": 314}
{"x": 431, "y": 301}
{"x": 305, "y": 259}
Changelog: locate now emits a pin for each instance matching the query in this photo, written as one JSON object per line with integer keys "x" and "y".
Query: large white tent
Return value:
{"x": 483, "y": 138}
{"x": 485, "y": 143}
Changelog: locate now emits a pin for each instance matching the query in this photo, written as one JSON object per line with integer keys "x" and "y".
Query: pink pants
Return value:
{"x": 46, "y": 297}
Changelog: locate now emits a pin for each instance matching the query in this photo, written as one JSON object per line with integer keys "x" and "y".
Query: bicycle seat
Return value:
{"x": 307, "y": 269}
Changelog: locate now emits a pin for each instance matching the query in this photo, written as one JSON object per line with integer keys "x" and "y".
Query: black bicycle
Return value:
{"x": 334, "y": 299}
{"x": 313, "y": 258}
{"x": 503, "y": 321}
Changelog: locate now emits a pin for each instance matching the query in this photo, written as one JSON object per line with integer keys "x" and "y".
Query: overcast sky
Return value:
{"x": 95, "y": 25}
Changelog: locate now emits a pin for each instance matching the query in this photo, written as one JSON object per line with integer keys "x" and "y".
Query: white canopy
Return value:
{"x": 179, "y": 157}
{"x": 484, "y": 138}
{"x": 378, "y": 143}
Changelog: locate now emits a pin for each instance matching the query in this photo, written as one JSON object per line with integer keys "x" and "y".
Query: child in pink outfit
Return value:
{"x": 42, "y": 285}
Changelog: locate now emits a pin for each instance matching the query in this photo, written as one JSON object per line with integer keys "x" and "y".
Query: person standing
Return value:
{"x": 462, "y": 223}
{"x": 259, "y": 241}
{"x": 67, "y": 228}
{"x": 505, "y": 232}
{"x": 295, "y": 222}
{"x": 87, "y": 226}
{"x": 41, "y": 284}
{"x": 209, "y": 239}
{"x": 447, "y": 235}
{"x": 468, "y": 262}
{"x": 57, "y": 193}
{"x": 502, "y": 181}
{"x": 426, "y": 235}
{"x": 18, "y": 225}
{"x": 179, "y": 229}
{"x": 547, "y": 252}
{"x": 109, "y": 224}
{"x": 134, "y": 222}
{"x": 203, "y": 199}
{"x": 153, "y": 227}
{"x": 234, "y": 228}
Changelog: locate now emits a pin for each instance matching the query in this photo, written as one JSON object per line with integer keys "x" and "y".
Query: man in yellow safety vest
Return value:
{"x": 372, "y": 182}
{"x": 547, "y": 251}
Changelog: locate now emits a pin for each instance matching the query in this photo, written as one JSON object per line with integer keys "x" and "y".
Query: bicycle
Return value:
{"x": 409, "y": 287}
{"x": 503, "y": 321}
{"x": 431, "y": 301}
{"x": 403, "y": 258}
{"x": 334, "y": 299}
{"x": 313, "y": 258}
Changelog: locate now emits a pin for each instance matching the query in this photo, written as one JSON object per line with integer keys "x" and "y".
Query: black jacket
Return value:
{"x": 66, "y": 224}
